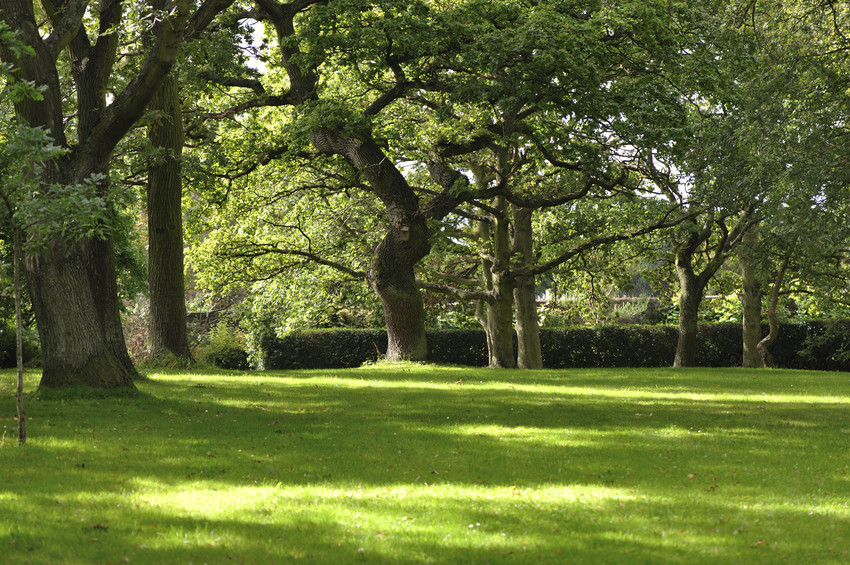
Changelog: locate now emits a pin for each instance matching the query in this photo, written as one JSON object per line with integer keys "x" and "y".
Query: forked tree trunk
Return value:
{"x": 165, "y": 228}
{"x": 72, "y": 282}
{"x": 529, "y": 355}
{"x": 691, "y": 288}
{"x": 750, "y": 303}
{"x": 772, "y": 319}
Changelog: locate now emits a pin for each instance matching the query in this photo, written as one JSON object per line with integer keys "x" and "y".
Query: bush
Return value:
{"x": 608, "y": 346}
{"x": 813, "y": 345}
{"x": 225, "y": 348}
{"x": 322, "y": 349}
{"x": 458, "y": 347}
{"x": 9, "y": 346}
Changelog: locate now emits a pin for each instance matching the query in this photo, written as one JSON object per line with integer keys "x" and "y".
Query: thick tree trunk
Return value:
{"x": 165, "y": 228}
{"x": 76, "y": 348}
{"x": 750, "y": 303}
{"x": 691, "y": 292}
{"x": 529, "y": 355}
{"x": 500, "y": 331}
{"x": 686, "y": 347}
{"x": 391, "y": 273}
{"x": 103, "y": 279}
{"x": 394, "y": 281}
{"x": 72, "y": 283}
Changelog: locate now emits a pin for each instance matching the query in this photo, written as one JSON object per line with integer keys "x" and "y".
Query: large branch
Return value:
{"x": 38, "y": 69}
{"x": 129, "y": 106}
{"x": 66, "y": 24}
{"x": 664, "y": 222}
{"x": 204, "y": 16}
{"x": 256, "y": 250}
{"x": 451, "y": 291}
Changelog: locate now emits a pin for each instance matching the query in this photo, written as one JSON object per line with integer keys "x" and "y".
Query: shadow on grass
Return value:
{"x": 378, "y": 466}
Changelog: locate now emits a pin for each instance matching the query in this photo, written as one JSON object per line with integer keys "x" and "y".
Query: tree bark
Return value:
{"x": 165, "y": 228}
{"x": 394, "y": 281}
{"x": 750, "y": 302}
{"x": 529, "y": 355}
{"x": 497, "y": 319}
{"x": 772, "y": 320}
{"x": 75, "y": 348}
{"x": 689, "y": 301}
{"x": 691, "y": 288}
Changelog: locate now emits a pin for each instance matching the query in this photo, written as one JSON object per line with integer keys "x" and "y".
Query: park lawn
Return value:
{"x": 423, "y": 464}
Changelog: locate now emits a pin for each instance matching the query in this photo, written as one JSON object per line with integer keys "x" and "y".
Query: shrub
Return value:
{"x": 225, "y": 347}
{"x": 322, "y": 349}
{"x": 813, "y": 345}
{"x": 9, "y": 346}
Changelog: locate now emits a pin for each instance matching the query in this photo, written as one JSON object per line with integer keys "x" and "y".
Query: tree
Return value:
{"x": 436, "y": 88}
{"x": 72, "y": 282}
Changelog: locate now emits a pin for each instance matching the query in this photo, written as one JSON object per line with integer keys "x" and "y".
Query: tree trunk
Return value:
{"x": 391, "y": 273}
{"x": 19, "y": 334}
{"x": 165, "y": 228}
{"x": 72, "y": 282}
{"x": 498, "y": 284}
{"x": 103, "y": 279}
{"x": 691, "y": 293}
{"x": 393, "y": 280}
{"x": 76, "y": 347}
{"x": 529, "y": 355}
{"x": 686, "y": 347}
{"x": 750, "y": 302}
{"x": 768, "y": 340}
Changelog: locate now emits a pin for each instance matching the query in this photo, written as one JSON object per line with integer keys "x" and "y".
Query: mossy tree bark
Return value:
{"x": 391, "y": 271}
{"x": 496, "y": 313}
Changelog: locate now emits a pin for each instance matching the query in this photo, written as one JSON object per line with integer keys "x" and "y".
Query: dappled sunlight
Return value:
{"x": 459, "y": 466}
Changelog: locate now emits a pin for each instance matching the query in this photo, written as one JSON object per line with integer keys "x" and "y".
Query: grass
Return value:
{"x": 411, "y": 464}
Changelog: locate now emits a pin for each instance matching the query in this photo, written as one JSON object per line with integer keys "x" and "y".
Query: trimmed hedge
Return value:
{"x": 811, "y": 345}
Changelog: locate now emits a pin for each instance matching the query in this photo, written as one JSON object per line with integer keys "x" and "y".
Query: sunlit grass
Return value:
{"x": 410, "y": 464}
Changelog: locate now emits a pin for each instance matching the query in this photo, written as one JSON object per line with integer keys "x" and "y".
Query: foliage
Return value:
{"x": 810, "y": 345}
{"x": 830, "y": 347}
{"x": 225, "y": 347}
{"x": 323, "y": 349}
{"x": 8, "y": 345}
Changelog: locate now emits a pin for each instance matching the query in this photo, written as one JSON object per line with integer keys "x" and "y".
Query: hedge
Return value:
{"x": 810, "y": 345}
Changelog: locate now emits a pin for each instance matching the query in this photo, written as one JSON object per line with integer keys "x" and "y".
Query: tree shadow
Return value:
{"x": 511, "y": 459}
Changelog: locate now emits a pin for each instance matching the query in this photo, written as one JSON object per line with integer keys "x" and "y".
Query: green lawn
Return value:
{"x": 411, "y": 464}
